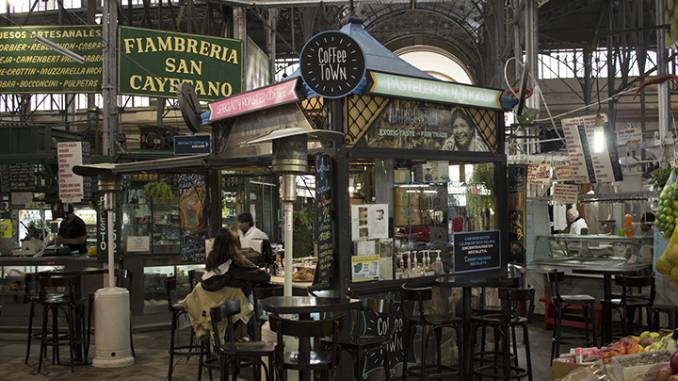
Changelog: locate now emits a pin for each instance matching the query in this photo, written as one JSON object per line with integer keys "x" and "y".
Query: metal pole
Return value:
{"x": 664, "y": 106}
{"x": 289, "y": 195}
{"x": 109, "y": 23}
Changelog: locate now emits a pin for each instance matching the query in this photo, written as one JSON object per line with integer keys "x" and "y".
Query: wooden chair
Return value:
{"x": 638, "y": 293}
{"x": 261, "y": 293}
{"x": 230, "y": 351}
{"x": 435, "y": 324}
{"x": 320, "y": 359}
{"x": 32, "y": 297}
{"x": 572, "y": 307}
{"x": 359, "y": 343}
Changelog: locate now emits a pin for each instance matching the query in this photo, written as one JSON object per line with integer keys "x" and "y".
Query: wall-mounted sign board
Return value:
{"x": 332, "y": 64}
{"x": 28, "y": 67}
{"x": 255, "y": 100}
{"x": 192, "y": 144}
{"x": 477, "y": 251}
{"x": 434, "y": 91}
{"x": 154, "y": 63}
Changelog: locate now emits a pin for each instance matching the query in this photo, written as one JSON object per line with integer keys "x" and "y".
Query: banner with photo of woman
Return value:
{"x": 409, "y": 124}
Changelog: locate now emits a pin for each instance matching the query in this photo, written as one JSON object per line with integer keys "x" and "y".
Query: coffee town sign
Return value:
{"x": 332, "y": 64}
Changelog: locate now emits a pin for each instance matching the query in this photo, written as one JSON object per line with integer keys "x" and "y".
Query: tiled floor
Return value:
{"x": 152, "y": 361}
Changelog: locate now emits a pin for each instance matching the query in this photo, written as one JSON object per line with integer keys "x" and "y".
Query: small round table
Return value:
{"x": 466, "y": 283}
{"x": 305, "y": 306}
{"x": 607, "y": 273}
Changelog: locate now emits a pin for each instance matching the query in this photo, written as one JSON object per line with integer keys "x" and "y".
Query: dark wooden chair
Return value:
{"x": 521, "y": 302}
{"x": 671, "y": 312}
{"x": 638, "y": 293}
{"x": 572, "y": 307}
{"x": 59, "y": 294}
{"x": 177, "y": 310}
{"x": 323, "y": 359}
{"x": 261, "y": 293}
{"x": 359, "y": 343}
{"x": 231, "y": 352}
{"x": 435, "y": 324}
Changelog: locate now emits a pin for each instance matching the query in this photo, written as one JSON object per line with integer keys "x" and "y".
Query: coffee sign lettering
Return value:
{"x": 332, "y": 64}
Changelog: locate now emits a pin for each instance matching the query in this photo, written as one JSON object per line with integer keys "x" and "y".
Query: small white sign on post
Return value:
{"x": 69, "y": 154}
{"x": 539, "y": 173}
{"x": 138, "y": 244}
{"x": 565, "y": 193}
{"x": 629, "y": 136}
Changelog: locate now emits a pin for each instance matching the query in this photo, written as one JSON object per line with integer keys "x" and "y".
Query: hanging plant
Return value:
{"x": 159, "y": 193}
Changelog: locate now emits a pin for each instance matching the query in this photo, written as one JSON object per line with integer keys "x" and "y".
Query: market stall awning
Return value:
{"x": 169, "y": 164}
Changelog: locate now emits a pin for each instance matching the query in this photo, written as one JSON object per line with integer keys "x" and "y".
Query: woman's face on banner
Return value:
{"x": 462, "y": 131}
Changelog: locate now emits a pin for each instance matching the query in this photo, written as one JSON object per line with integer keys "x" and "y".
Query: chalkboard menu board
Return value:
{"x": 323, "y": 220}
{"x": 192, "y": 216}
{"x": 21, "y": 177}
{"x": 477, "y": 251}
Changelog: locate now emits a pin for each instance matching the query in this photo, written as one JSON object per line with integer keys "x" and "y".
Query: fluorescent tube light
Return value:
{"x": 57, "y": 48}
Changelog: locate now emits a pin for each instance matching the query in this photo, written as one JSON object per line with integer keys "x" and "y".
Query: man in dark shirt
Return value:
{"x": 73, "y": 232}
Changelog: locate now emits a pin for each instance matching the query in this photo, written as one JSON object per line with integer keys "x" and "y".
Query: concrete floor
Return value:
{"x": 152, "y": 360}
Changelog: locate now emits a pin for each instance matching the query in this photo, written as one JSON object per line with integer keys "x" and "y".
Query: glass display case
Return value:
{"x": 150, "y": 229}
{"x": 593, "y": 250}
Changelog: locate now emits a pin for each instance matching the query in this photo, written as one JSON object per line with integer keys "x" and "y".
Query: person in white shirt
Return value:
{"x": 576, "y": 223}
{"x": 250, "y": 236}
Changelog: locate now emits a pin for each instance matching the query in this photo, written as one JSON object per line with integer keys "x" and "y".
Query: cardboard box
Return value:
{"x": 561, "y": 369}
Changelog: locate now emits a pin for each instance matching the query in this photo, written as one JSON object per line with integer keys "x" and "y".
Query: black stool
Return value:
{"x": 671, "y": 312}
{"x": 31, "y": 296}
{"x": 358, "y": 343}
{"x": 436, "y": 324}
{"x": 572, "y": 307}
{"x": 176, "y": 308}
{"x": 70, "y": 304}
{"x": 521, "y": 302}
{"x": 230, "y": 351}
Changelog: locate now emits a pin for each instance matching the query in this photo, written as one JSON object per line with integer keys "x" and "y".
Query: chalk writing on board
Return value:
{"x": 323, "y": 219}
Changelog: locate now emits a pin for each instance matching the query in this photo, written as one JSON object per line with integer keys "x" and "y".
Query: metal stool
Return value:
{"x": 435, "y": 324}
{"x": 176, "y": 308}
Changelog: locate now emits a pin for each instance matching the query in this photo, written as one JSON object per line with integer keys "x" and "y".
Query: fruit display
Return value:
{"x": 667, "y": 207}
{"x": 668, "y": 372}
{"x": 646, "y": 342}
{"x": 667, "y": 264}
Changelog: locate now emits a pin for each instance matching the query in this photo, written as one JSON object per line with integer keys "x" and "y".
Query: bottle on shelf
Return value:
{"x": 628, "y": 225}
{"x": 438, "y": 267}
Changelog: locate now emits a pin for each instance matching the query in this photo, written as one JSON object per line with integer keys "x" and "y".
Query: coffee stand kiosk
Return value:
{"x": 404, "y": 165}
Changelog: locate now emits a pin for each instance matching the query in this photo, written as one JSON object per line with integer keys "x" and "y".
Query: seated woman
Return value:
{"x": 227, "y": 267}
{"x": 229, "y": 276}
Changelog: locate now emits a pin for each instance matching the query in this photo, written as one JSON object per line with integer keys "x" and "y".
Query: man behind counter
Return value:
{"x": 73, "y": 231}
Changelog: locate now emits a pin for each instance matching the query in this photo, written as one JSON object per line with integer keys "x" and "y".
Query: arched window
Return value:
{"x": 436, "y": 62}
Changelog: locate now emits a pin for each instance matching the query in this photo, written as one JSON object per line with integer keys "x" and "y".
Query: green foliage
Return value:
{"x": 303, "y": 233}
{"x": 159, "y": 193}
{"x": 659, "y": 176}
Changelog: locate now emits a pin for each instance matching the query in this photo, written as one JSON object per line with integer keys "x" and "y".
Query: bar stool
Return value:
{"x": 573, "y": 307}
{"x": 323, "y": 359}
{"x": 671, "y": 312}
{"x": 261, "y": 293}
{"x": 31, "y": 296}
{"x": 517, "y": 298}
{"x": 629, "y": 301}
{"x": 230, "y": 351}
{"x": 70, "y": 304}
{"x": 436, "y": 324}
{"x": 359, "y": 343}
{"x": 177, "y": 310}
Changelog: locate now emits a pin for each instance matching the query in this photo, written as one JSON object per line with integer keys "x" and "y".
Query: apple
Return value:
{"x": 674, "y": 363}
{"x": 663, "y": 373}
{"x": 646, "y": 342}
{"x": 673, "y": 377}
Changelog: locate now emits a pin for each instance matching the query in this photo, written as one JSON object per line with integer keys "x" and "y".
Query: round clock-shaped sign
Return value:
{"x": 332, "y": 64}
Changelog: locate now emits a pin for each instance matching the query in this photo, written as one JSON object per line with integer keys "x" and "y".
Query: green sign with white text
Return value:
{"x": 154, "y": 63}
{"x": 29, "y": 67}
{"x": 434, "y": 91}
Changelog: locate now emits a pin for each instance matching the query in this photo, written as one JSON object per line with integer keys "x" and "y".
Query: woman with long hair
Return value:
{"x": 227, "y": 267}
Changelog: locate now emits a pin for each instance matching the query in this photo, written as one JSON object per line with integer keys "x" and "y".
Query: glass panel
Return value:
{"x": 155, "y": 296}
{"x": 404, "y": 214}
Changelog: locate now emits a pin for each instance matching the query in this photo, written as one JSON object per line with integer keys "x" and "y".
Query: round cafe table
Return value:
{"x": 305, "y": 306}
{"x": 467, "y": 282}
